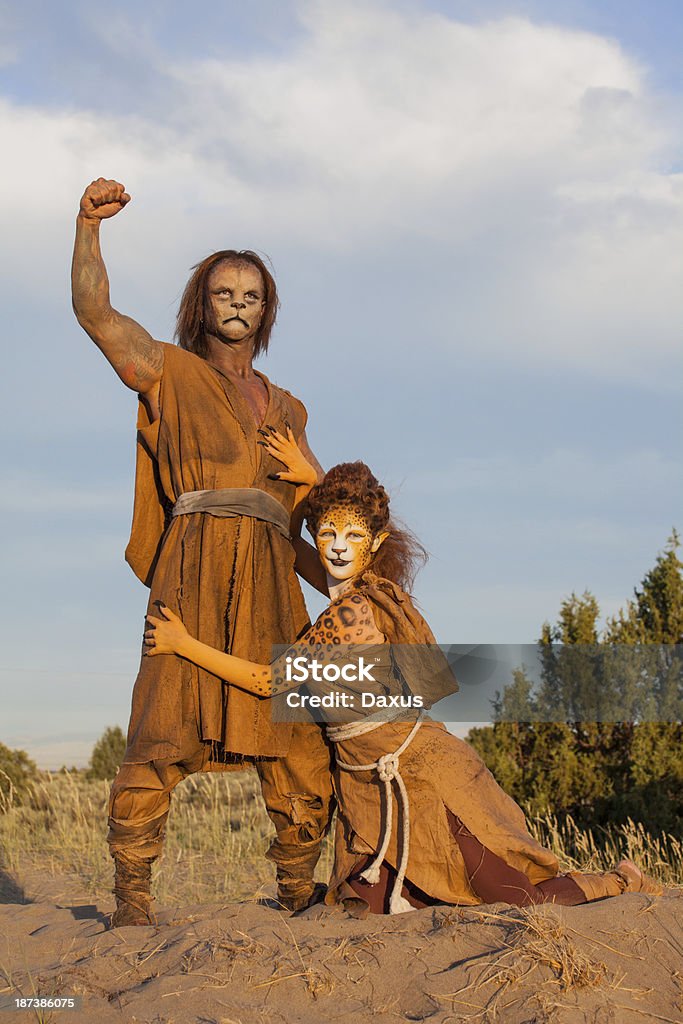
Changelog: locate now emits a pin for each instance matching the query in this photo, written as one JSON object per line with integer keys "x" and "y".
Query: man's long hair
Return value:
{"x": 190, "y": 321}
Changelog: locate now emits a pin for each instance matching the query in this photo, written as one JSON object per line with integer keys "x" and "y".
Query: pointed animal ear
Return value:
{"x": 378, "y": 541}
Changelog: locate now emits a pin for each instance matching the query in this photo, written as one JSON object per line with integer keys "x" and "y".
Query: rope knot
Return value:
{"x": 387, "y": 767}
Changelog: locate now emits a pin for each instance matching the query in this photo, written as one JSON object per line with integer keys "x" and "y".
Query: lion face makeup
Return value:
{"x": 235, "y": 301}
{"x": 345, "y": 543}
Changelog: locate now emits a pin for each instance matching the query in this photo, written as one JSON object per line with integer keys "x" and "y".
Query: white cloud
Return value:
{"x": 380, "y": 96}
{"x": 523, "y": 159}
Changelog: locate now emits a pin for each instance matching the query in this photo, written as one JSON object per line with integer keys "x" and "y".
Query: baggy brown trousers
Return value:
{"x": 232, "y": 581}
{"x": 296, "y": 789}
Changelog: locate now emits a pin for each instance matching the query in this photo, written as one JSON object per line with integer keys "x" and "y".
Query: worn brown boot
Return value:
{"x": 294, "y": 894}
{"x": 299, "y": 896}
{"x": 132, "y": 882}
{"x": 636, "y": 880}
{"x": 295, "y": 866}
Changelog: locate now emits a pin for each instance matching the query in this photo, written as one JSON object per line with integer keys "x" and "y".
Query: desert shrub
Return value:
{"x": 17, "y": 772}
{"x": 107, "y": 754}
{"x": 608, "y": 772}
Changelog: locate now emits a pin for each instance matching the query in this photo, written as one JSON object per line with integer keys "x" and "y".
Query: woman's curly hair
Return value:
{"x": 400, "y": 556}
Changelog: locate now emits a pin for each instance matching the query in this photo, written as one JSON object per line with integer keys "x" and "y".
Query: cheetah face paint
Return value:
{"x": 345, "y": 543}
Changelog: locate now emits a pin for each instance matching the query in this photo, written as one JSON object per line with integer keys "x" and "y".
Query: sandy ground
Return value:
{"x": 618, "y": 960}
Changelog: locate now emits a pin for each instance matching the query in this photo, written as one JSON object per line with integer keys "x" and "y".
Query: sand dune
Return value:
{"x": 616, "y": 961}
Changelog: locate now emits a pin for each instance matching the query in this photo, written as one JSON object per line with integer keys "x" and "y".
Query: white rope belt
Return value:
{"x": 387, "y": 767}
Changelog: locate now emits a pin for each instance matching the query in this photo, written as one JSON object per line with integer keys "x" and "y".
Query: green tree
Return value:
{"x": 17, "y": 771}
{"x": 107, "y": 754}
{"x": 655, "y": 616}
{"x": 549, "y": 753}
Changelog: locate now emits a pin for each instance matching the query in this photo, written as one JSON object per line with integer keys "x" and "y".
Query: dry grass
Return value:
{"x": 599, "y": 849}
{"x": 538, "y": 954}
{"x": 219, "y": 832}
{"x": 543, "y": 941}
{"x": 23, "y": 984}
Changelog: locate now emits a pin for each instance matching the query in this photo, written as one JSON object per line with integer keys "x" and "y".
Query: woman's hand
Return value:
{"x": 164, "y": 636}
{"x": 285, "y": 449}
{"x": 169, "y": 636}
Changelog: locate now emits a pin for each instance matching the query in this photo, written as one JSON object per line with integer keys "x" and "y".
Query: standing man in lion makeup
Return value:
{"x": 211, "y": 532}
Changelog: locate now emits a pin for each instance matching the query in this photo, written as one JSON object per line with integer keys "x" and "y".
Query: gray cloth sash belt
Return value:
{"x": 235, "y": 501}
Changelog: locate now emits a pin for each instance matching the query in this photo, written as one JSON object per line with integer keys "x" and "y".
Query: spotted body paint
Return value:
{"x": 348, "y": 620}
{"x": 261, "y": 685}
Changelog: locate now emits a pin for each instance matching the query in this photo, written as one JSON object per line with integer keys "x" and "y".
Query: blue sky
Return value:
{"x": 475, "y": 216}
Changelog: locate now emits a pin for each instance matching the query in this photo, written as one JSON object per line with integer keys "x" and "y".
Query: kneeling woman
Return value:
{"x": 421, "y": 819}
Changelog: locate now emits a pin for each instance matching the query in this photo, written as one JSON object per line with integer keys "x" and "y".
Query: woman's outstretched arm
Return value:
{"x": 346, "y": 622}
{"x": 168, "y": 635}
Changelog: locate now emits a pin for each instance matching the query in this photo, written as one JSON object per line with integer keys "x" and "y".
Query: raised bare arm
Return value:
{"x": 131, "y": 350}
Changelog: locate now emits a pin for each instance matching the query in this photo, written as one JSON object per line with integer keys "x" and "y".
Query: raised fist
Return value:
{"x": 102, "y": 199}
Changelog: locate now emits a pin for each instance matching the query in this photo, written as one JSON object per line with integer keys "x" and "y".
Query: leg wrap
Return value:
{"x": 295, "y": 868}
{"x": 132, "y": 881}
{"x": 599, "y": 886}
{"x": 138, "y": 808}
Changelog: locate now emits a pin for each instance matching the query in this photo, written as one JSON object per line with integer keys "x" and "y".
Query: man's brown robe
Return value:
{"x": 231, "y": 580}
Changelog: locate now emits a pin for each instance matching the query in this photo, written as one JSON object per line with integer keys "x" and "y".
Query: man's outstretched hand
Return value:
{"x": 103, "y": 198}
